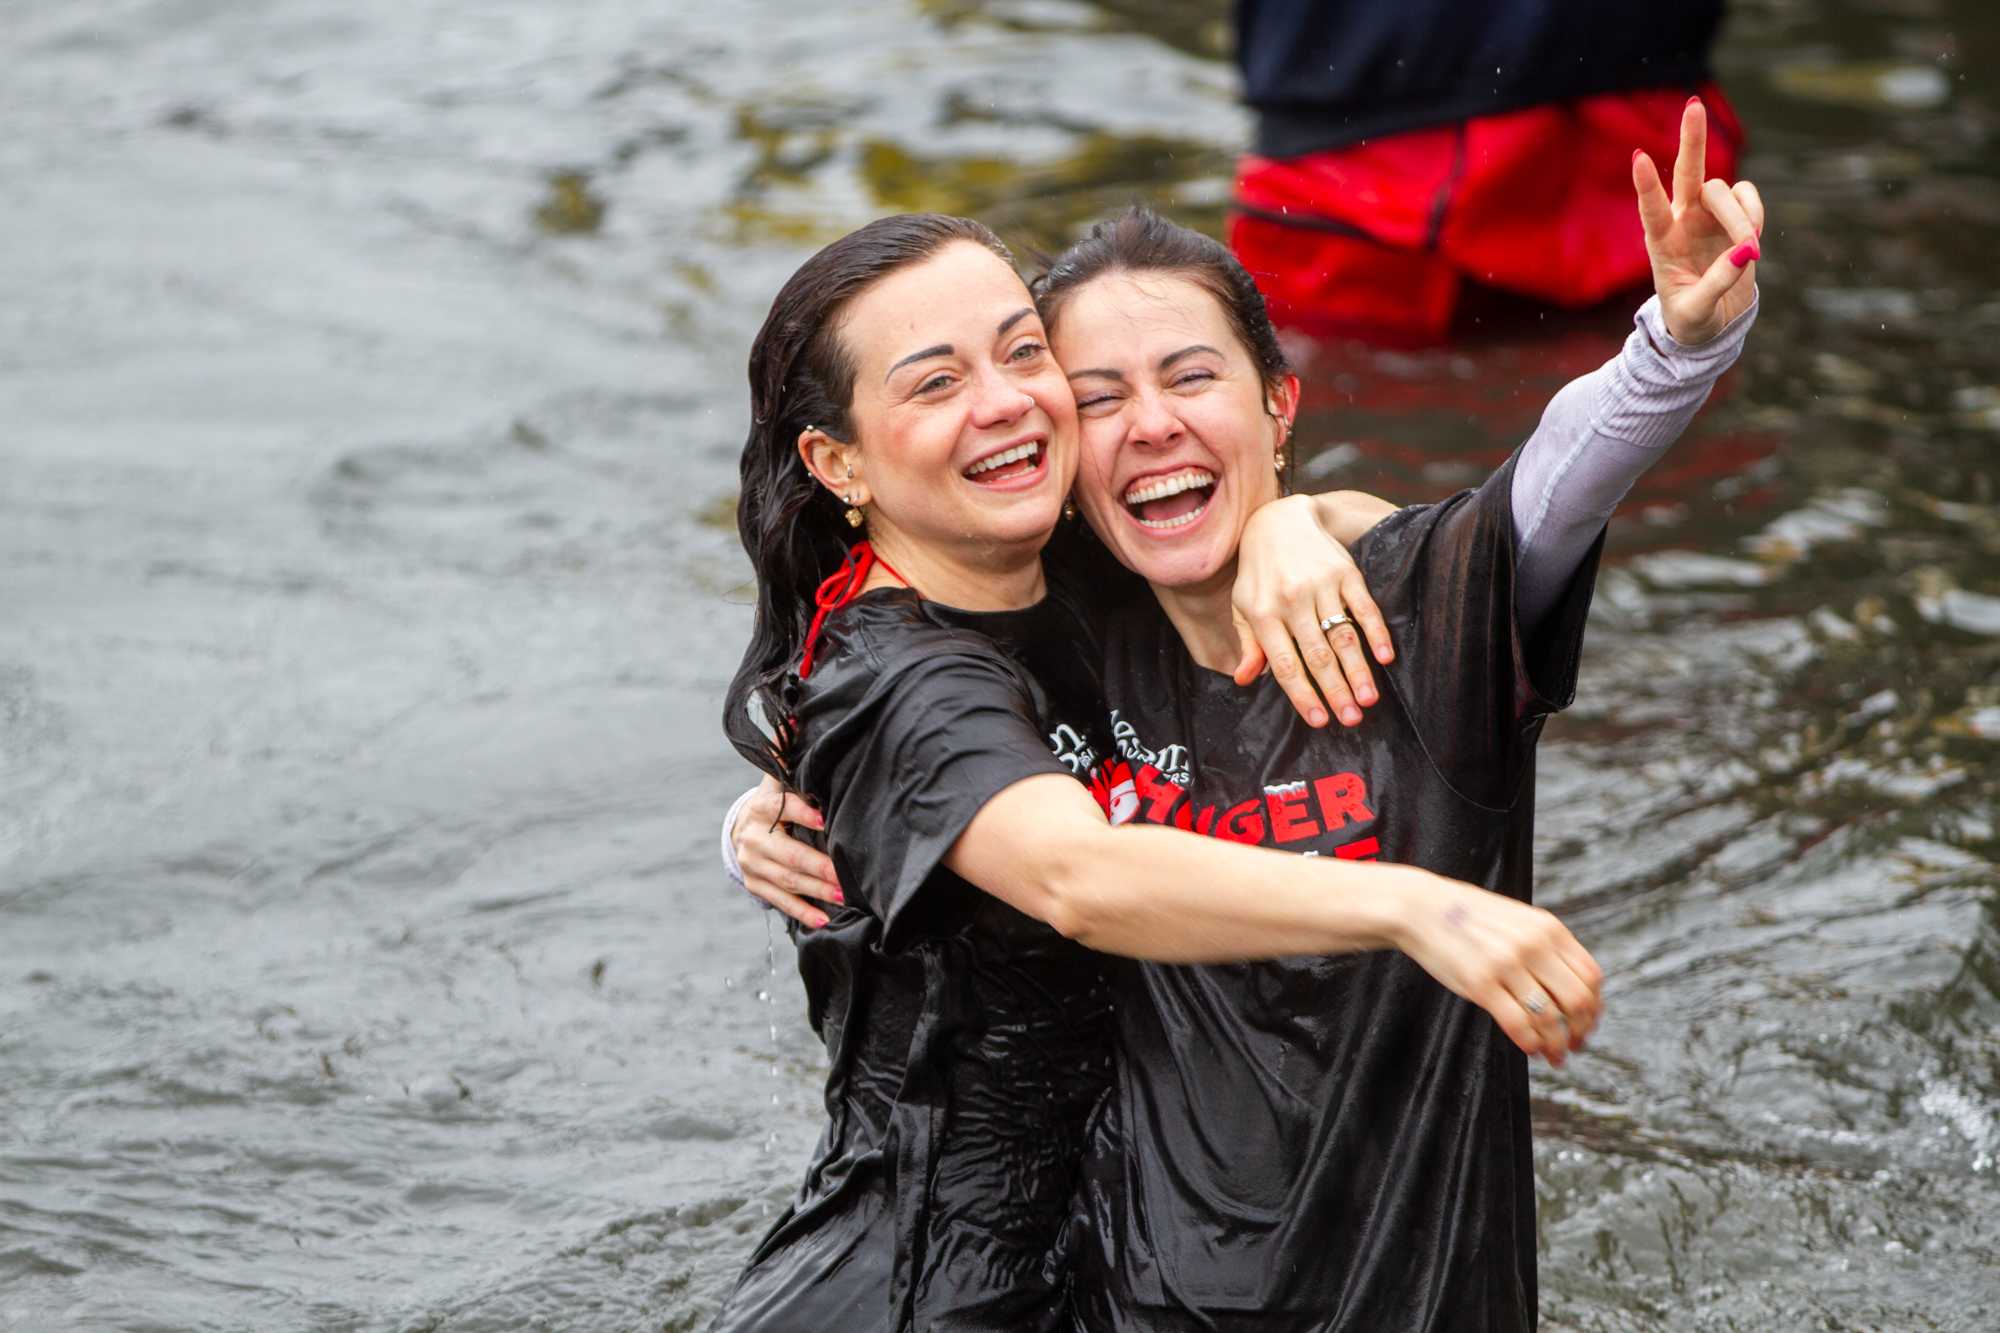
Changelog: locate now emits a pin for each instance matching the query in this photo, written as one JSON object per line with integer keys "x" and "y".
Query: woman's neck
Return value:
{"x": 1002, "y": 578}
{"x": 1203, "y": 615}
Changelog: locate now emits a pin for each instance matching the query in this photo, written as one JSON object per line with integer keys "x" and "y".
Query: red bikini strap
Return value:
{"x": 839, "y": 588}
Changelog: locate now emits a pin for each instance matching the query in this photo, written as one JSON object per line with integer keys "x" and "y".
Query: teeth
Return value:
{"x": 1004, "y": 457}
{"x": 1174, "y": 485}
{"x": 1164, "y": 523}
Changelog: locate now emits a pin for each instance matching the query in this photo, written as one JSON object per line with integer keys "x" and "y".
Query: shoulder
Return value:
{"x": 1476, "y": 525}
{"x": 887, "y": 632}
{"x": 882, "y": 651}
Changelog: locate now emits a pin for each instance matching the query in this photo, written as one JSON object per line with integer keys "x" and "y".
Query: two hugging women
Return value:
{"x": 1152, "y": 1001}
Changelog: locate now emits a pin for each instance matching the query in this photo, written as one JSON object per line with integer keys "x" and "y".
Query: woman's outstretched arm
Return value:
{"x": 1171, "y": 896}
{"x": 1602, "y": 431}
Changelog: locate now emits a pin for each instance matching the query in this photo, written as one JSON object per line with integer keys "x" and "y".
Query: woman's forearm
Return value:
{"x": 1172, "y": 896}
{"x": 1597, "y": 436}
{"x": 1169, "y": 896}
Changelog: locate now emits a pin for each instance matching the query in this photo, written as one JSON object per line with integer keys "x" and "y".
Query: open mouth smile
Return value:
{"x": 1163, "y": 503}
{"x": 1009, "y": 464}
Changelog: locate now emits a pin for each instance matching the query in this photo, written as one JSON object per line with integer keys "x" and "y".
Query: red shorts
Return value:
{"x": 1376, "y": 235}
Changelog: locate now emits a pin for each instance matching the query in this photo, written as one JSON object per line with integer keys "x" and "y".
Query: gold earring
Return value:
{"x": 1069, "y": 506}
{"x": 854, "y": 515}
{"x": 1278, "y": 460}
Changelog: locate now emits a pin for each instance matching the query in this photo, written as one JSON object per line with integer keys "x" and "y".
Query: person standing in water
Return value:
{"x": 902, "y": 388}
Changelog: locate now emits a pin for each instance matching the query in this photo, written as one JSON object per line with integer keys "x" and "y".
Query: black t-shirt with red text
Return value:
{"x": 967, "y": 1043}
{"x": 1331, "y": 1143}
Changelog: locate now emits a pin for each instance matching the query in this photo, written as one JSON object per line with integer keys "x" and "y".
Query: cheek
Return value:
{"x": 1101, "y": 438}
{"x": 910, "y": 461}
{"x": 1248, "y": 453}
{"x": 1052, "y": 394}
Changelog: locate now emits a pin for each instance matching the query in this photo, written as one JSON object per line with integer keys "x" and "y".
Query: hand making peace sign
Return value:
{"x": 1704, "y": 242}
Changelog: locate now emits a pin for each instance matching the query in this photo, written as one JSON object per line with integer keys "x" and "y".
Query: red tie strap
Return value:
{"x": 839, "y": 588}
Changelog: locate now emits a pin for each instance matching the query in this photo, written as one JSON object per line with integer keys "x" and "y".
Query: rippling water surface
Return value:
{"x": 370, "y": 383}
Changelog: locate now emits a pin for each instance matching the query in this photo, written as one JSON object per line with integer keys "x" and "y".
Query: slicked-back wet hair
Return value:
{"x": 1140, "y": 241}
{"x": 802, "y": 375}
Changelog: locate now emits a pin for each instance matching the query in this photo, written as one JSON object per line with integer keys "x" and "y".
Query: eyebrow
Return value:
{"x": 942, "y": 349}
{"x": 1166, "y": 363}
{"x": 946, "y": 349}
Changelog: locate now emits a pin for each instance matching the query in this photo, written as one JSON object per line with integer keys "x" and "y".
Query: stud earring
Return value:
{"x": 850, "y": 472}
{"x": 1069, "y": 506}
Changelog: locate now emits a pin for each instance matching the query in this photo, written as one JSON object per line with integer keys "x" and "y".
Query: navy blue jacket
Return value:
{"x": 1323, "y": 73}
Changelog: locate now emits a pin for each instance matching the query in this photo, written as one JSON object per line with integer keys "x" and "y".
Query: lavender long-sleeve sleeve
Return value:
{"x": 1598, "y": 435}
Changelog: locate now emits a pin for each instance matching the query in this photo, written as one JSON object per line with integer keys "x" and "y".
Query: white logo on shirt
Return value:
{"x": 1170, "y": 763}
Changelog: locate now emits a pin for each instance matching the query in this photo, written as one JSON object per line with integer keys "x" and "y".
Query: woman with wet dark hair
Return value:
{"x": 936, "y": 700}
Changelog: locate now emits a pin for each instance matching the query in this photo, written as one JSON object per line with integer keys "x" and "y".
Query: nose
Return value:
{"x": 998, "y": 402}
{"x": 1152, "y": 422}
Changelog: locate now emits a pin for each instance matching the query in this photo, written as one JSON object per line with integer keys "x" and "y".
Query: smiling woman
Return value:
{"x": 972, "y": 441}
{"x": 944, "y": 698}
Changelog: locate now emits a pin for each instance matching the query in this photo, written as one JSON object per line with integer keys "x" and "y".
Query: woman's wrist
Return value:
{"x": 1404, "y": 905}
{"x": 729, "y": 861}
{"x": 1345, "y": 515}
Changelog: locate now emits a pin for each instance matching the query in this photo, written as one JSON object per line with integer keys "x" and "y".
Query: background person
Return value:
{"x": 1406, "y": 145}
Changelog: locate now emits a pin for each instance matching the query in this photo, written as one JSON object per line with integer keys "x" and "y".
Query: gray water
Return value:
{"x": 370, "y": 382}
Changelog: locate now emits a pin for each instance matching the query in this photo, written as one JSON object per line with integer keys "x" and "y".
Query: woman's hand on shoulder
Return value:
{"x": 1704, "y": 241}
{"x": 1293, "y": 573}
{"x": 778, "y": 868}
{"x": 1518, "y": 963}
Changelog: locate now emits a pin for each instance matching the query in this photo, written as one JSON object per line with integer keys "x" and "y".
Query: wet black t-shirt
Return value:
{"x": 967, "y": 1042}
{"x": 1332, "y": 1143}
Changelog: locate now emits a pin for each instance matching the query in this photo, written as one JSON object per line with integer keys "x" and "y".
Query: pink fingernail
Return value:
{"x": 1637, "y": 153}
{"x": 1743, "y": 254}
{"x": 840, "y": 897}
{"x": 1692, "y": 101}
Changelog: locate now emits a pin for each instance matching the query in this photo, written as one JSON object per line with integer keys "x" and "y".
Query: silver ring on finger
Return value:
{"x": 1535, "y": 1005}
{"x": 1337, "y": 618}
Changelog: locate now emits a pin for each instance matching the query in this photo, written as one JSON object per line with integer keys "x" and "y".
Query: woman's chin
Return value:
{"x": 1172, "y": 561}
{"x": 1024, "y": 517}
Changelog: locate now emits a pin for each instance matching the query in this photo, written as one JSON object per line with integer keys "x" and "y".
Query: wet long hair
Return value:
{"x": 795, "y": 531}
{"x": 1141, "y": 241}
